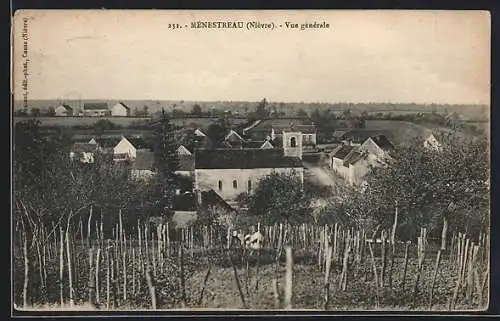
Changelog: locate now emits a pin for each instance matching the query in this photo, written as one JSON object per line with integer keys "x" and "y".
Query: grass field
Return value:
{"x": 84, "y": 121}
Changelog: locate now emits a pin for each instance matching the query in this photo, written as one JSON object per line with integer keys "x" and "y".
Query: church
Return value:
{"x": 231, "y": 172}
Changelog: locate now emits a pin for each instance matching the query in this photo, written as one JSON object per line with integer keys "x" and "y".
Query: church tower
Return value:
{"x": 292, "y": 144}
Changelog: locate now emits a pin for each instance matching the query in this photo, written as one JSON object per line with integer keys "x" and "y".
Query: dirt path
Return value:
{"x": 319, "y": 174}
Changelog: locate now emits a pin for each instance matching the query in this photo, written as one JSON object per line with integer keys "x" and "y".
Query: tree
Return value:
{"x": 145, "y": 110}
{"x": 432, "y": 188}
{"x": 261, "y": 110}
{"x": 301, "y": 113}
{"x": 196, "y": 110}
{"x": 35, "y": 112}
{"x": 217, "y": 131}
{"x": 280, "y": 197}
{"x": 166, "y": 159}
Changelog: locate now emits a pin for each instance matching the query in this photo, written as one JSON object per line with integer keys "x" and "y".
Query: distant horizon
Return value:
{"x": 257, "y": 101}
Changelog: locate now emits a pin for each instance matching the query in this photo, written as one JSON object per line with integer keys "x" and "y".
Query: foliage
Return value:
{"x": 280, "y": 197}
{"x": 301, "y": 113}
{"x": 102, "y": 125}
{"x": 216, "y": 132}
{"x": 196, "y": 110}
{"x": 50, "y": 188}
{"x": 422, "y": 183}
{"x": 166, "y": 160}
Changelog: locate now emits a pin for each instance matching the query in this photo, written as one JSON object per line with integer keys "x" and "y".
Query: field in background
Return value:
{"x": 471, "y": 112}
{"x": 85, "y": 121}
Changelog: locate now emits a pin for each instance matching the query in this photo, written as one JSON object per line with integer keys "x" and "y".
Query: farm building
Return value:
{"x": 143, "y": 165}
{"x": 186, "y": 165}
{"x": 199, "y": 132}
{"x": 431, "y": 142}
{"x": 235, "y": 171}
{"x": 188, "y": 206}
{"x": 274, "y": 128}
{"x": 257, "y": 144}
{"x": 64, "y": 110}
{"x": 119, "y": 146}
{"x": 84, "y": 152}
{"x": 182, "y": 150}
{"x": 353, "y": 162}
{"x": 120, "y": 109}
{"x": 96, "y": 109}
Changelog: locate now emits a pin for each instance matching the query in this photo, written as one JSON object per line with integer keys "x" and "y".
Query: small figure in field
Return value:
{"x": 237, "y": 239}
{"x": 254, "y": 239}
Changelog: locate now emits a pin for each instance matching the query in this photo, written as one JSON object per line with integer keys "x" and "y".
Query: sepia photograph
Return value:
{"x": 250, "y": 160}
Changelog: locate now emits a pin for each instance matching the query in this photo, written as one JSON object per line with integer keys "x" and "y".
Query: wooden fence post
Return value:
{"x": 288, "y": 278}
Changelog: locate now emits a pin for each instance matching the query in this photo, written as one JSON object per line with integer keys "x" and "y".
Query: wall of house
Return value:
{"x": 96, "y": 113}
{"x": 372, "y": 148}
{"x": 125, "y": 147}
{"x": 119, "y": 110}
{"x": 309, "y": 139}
{"x": 141, "y": 174}
{"x": 61, "y": 111}
{"x": 289, "y": 150}
{"x": 206, "y": 179}
{"x": 84, "y": 157}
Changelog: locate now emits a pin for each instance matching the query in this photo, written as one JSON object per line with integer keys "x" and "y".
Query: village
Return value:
{"x": 223, "y": 170}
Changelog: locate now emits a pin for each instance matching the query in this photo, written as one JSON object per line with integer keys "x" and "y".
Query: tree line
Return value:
{"x": 50, "y": 188}
{"x": 443, "y": 190}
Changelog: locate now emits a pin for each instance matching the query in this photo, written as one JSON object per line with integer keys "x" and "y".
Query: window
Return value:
{"x": 293, "y": 142}
{"x": 220, "y": 185}
{"x": 235, "y": 184}
{"x": 249, "y": 185}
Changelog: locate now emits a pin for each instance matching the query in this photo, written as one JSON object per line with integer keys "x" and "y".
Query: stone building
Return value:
{"x": 231, "y": 172}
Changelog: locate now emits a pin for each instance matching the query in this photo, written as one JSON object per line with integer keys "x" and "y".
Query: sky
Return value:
{"x": 364, "y": 56}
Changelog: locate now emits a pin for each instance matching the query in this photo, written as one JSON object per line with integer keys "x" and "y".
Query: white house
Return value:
{"x": 186, "y": 165}
{"x": 431, "y": 142}
{"x": 182, "y": 150}
{"x": 124, "y": 150}
{"x": 120, "y": 109}
{"x": 64, "y": 110}
{"x": 143, "y": 166}
{"x": 84, "y": 152}
{"x": 96, "y": 109}
{"x": 198, "y": 132}
{"x": 120, "y": 147}
{"x": 353, "y": 162}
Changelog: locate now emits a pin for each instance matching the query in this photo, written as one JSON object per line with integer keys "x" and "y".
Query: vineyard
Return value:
{"x": 156, "y": 266}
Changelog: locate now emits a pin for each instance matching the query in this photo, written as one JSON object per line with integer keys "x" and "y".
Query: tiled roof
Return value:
{"x": 122, "y": 104}
{"x": 352, "y": 158}
{"x": 95, "y": 106}
{"x": 339, "y": 133}
{"x": 66, "y": 106}
{"x": 253, "y": 144}
{"x": 186, "y": 163}
{"x": 108, "y": 142}
{"x": 139, "y": 142}
{"x": 79, "y": 147}
{"x": 144, "y": 160}
{"x": 244, "y": 159}
{"x": 383, "y": 142}
{"x": 187, "y": 201}
{"x": 343, "y": 151}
